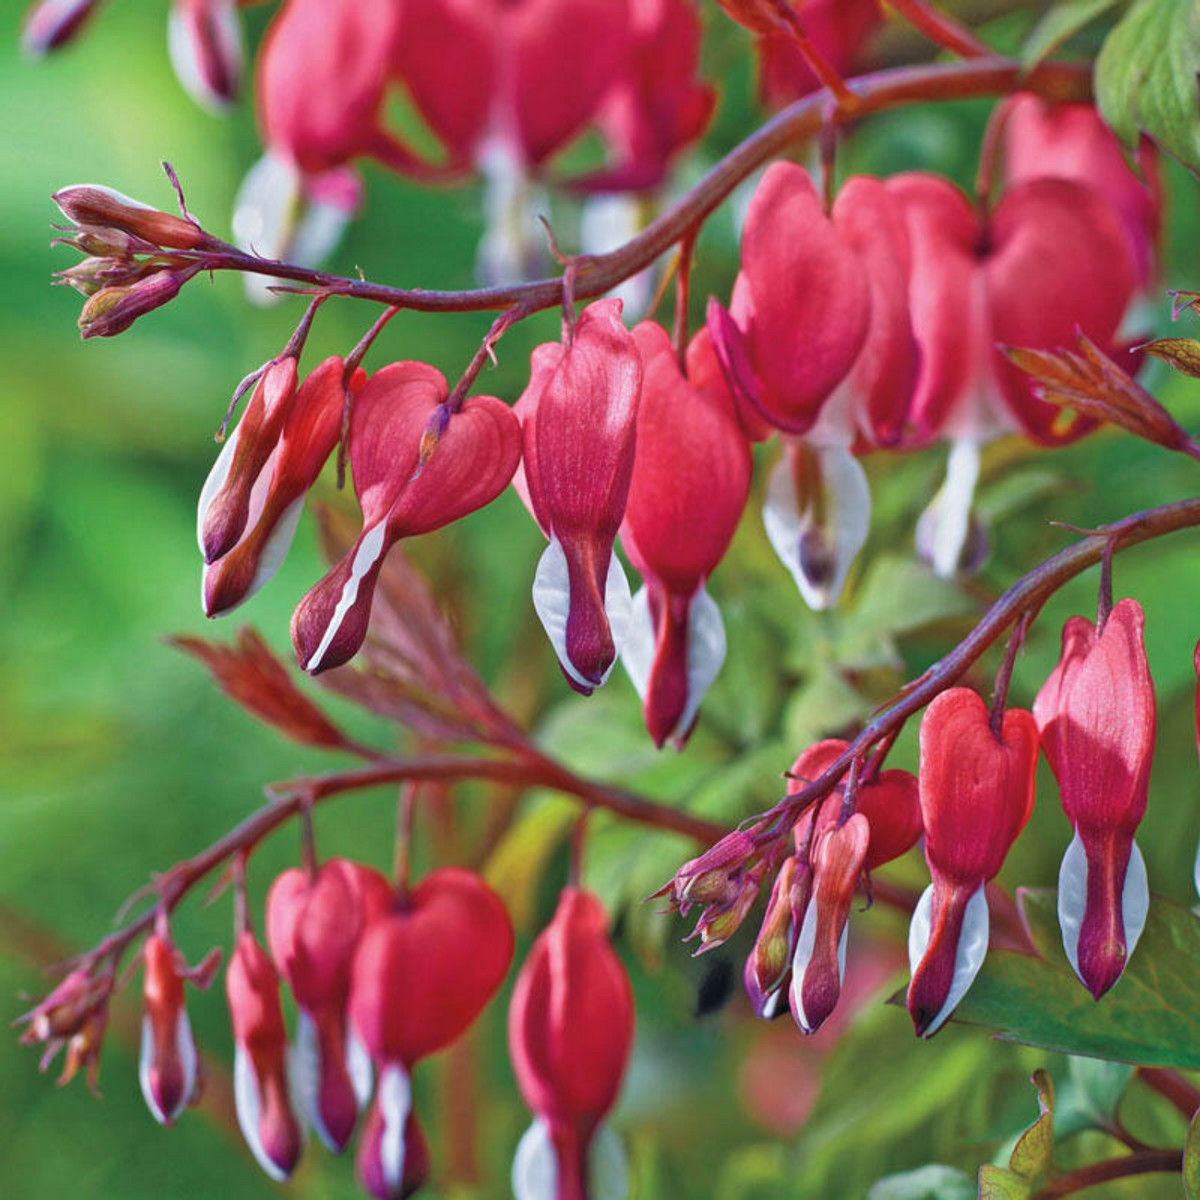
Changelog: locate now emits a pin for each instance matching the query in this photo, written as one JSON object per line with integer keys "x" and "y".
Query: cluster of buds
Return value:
{"x": 72, "y": 1018}
{"x": 138, "y": 258}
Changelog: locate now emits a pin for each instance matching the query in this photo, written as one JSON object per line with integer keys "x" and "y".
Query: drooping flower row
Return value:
{"x": 1094, "y": 718}
{"x": 382, "y": 979}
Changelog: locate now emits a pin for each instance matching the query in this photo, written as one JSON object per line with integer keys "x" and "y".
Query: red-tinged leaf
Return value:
{"x": 1031, "y": 1155}
{"x": 249, "y": 673}
{"x": 1181, "y": 353}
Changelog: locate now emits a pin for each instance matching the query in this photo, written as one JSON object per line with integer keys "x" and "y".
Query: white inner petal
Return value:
{"x": 607, "y": 222}
{"x": 1135, "y": 899}
{"x": 358, "y": 1067}
{"x": 534, "y": 1170}
{"x": 304, "y": 1076}
{"x": 185, "y": 1045}
{"x": 395, "y": 1103}
{"x": 317, "y": 233}
{"x": 145, "y": 1062}
{"x": 214, "y": 483}
{"x": 552, "y": 603}
{"x": 181, "y": 47}
{"x": 637, "y": 654}
{"x": 1072, "y": 899}
{"x": 847, "y": 499}
{"x": 800, "y": 961}
{"x": 968, "y": 956}
{"x": 705, "y": 653}
{"x": 369, "y": 550}
{"x": 608, "y": 1166}
{"x": 950, "y": 510}
{"x": 264, "y": 215}
{"x": 249, "y": 1110}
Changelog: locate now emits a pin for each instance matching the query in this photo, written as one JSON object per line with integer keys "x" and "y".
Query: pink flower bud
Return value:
{"x": 260, "y": 1077}
{"x": 691, "y": 477}
{"x": 709, "y": 878}
{"x": 168, "y": 1065}
{"x": 259, "y": 482}
{"x": 474, "y": 460}
{"x": 1096, "y": 715}
{"x": 768, "y": 971}
{"x": 570, "y": 1034}
{"x": 94, "y": 204}
{"x": 722, "y": 919}
{"x": 112, "y": 310}
{"x": 313, "y": 929}
{"x": 579, "y": 427}
{"x": 53, "y": 23}
{"x": 976, "y": 795}
{"x": 204, "y": 38}
{"x": 819, "y": 961}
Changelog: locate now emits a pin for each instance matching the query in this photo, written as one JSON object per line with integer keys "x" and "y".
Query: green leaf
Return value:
{"x": 1146, "y": 77}
{"x": 1191, "y": 1160}
{"x": 999, "y": 1183}
{"x": 1031, "y": 1155}
{"x": 1061, "y": 22}
{"x": 1099, "y": 1085}
{"x": 932, "y": 1182}
{"x": 1151, "y": 1017}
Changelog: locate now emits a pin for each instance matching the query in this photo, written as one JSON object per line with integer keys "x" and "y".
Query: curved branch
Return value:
{"x": 877, "y": 92}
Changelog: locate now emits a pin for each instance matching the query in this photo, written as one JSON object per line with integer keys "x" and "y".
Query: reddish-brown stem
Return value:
{"x": 877, "y": 92}
{"x": 820, "y": 66}
{"x": 1004, "y": 674}
{"x": 500, "y": 326}
{"x": 1143, "y": 1162}
{"x": 1026, "y": 595}
{"x": 683, "y": 293}
{"x": 940, "y": 29}
{"x": 1173, "y": 1087}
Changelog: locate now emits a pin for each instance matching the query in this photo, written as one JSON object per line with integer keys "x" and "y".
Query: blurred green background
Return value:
{"x": 119, "y": 756}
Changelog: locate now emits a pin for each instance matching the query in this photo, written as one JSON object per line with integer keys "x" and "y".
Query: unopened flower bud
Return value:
{"x": 769, "y": 965}
{"x": 709, "y": 878}
{"x": 113, "y": 309}
{"x": 93, "y": 204}
{"x": 53, "y": 23}
{"x": 168, "y": 1062}
{"x": 719, "y": 922}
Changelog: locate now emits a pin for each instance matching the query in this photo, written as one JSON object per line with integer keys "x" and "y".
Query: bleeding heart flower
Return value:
{"x": 818, "y": 343}
{"x": 1052, "y": 259}
{"x": 53, "y": 23}
{"x": 1096, "y": 715}
{"x": 470, "y": 465}
{"x": 260, "y": 1077}
{"x": 579, "y": 428}
{"x": 976, "y": 785}
{"x": 422, "y": 974}
{"x": 691, "y": 477}
{"x": 819, "y": 960}
{"x": 251, "y": 503}
{"x": 204, "y": 38}
{"x": 168, "y": 1065}
{"x": 313, "y": 929}
{"x": 570, "y": 1034}
{"x": 1071, "y": 141}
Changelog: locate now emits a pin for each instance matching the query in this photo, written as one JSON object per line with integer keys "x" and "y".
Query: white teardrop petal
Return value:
{"x": 949, "y": 512}
{"x": 535, "y": 1171}
{"x": 369, "y": 550}
{"x": 705, "y": 654}
{"x": 264, "y": 215}
{"x": 847, "y": 501}
{"x": 802, "y": 956}
{"x": 395, "y": 1103}
{"x": 1135, "y": 899}
{"x": 969, "y": 954}
{"x": 189, "y": 1058}
{"x": 637, "y": 654}
{"x": 277, "y": 546}
{"x": 145, "y": 1062}
{"x": 317, "y": 233}
{"x": 552, "y": 602}
{"x": 304, "y": 1076}
{"x": 358, "y": 1067}
{"x": 181, "y": 48}
{"x": 1072, "y": 899}
{"x": 214, "y": 483}
{"x": 249, "y": 1110}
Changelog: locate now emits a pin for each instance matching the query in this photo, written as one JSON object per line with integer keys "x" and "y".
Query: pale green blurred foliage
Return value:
{"x": 118, "y": 757}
